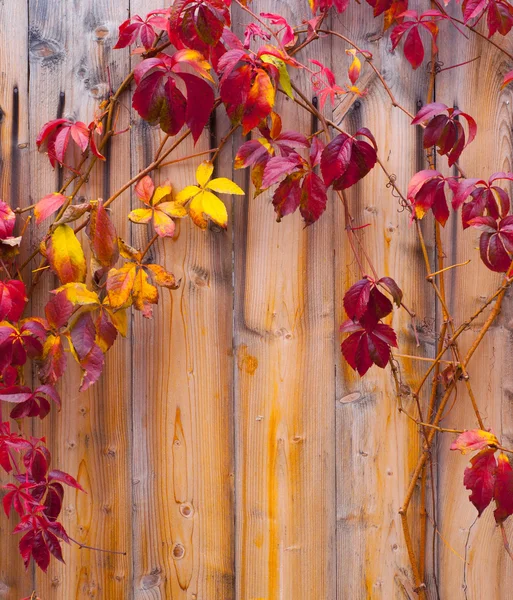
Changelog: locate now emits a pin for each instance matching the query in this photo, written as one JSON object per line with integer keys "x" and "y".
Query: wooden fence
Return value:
{"x": 227, "y": 448}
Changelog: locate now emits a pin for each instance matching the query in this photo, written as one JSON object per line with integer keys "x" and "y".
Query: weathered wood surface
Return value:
{"x": 227, "y": 448}
{"x": 471, "y": 551}
{"x": 377, "y": 447}
{"x": 14, "y": 182}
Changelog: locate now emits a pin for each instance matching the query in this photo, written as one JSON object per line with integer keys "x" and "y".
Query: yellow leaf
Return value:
{"x": 222, "y": 185}
{"x": 120, "y": 283}
{"x": 120, "y": 321}
{"x": 172, "y": 209}
{"x": 145, "y": 293}
{"x": 127, "y": 251}
{"x": 66, "y": 255}
{"x": 160, "y": 193}
{"x": 282, "y": 69}
{"x": 208, "y": 206}
{"x": 187, "y": 193}
{"x": 163, "y": 277}
{"x": 77, "y": 293}
{"x": 140, "y": 215}
{"x": 118, "y": 317}
{"x": 204, "y": 173}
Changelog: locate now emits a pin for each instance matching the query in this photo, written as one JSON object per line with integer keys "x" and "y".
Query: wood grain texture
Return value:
{"x": 377, "y": 447}
{"x": 472, "y": 554}
{"x": 183, "y": 424}
{"x": 14, "y": 180}
{"x": 284, "y": 389}
{"x": 72, "y": 67}
{"x": 228, "y": 449}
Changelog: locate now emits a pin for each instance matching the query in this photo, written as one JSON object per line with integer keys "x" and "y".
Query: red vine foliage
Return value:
{"x": 189, "y": 64}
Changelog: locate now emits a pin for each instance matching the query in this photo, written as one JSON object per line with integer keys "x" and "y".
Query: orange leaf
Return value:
{"x": 120, "y": 283}
{"x": 144, "y": 293}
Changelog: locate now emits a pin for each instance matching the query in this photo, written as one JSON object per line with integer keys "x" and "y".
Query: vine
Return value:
{"x": 192, "y": 64}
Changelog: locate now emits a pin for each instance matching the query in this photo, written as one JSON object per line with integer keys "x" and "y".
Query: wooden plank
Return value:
{"x": 14, "y": 182}
{"x": 284, "y": 386}
{"x": 72, "y": 67}
{"x": 475, "y": 89}
{"x": 182, "y": 374}
{"x": 377, "y": 447}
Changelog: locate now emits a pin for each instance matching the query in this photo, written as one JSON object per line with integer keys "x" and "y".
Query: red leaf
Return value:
{"x": 392, "y": 288}
{"x": 474, "y": 439}
{"x": 198, "y": 110}
{"x": 480, "y": 479}
{"x": 62, "y": 477}
{"x": 56, "y": 135}
{"x": 445, "y": 131}
{"x": 53, "y": 545}
{"x": 58, "y": 310}
{"x": 369, "y": 344}
{"x": 40, "y": 552}
{"x": 287, "y": 197}
{"x": 26, "y": 544}
{"x": 157, "y": 98}
{"x": 499, "y": 17}
{"x": 130, "y": 32}
{"x": 279, "y": 166}
{"x": 313, "y": 198}
{"x": 413, "y": 47}
{"x": 356, "y": 299}
{"x": 13, "y": 298}
{"x": 496, "y": 242}
{"x": 426, "y": 191}
{"x": 54, "y": 360}
{"x": 83, "y": 335}
{"x": 346, "y": 160}
{"x": 503, "y": 489}
{"x": 47, "y": 206}
{"x": 92, "y": 366}
{"x": 7, "y": 221}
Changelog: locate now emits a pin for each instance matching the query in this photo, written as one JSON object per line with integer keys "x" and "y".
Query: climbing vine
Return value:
{"x": 189, "y": 64}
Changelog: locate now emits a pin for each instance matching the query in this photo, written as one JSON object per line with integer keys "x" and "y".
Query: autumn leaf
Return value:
{"x": 120, "y": 283}
{"x": 479, "y": 197}
{"x": 496, "y": 242}
{"x": 102, "y": 236}
{"x": 474, "y": 439}
{"x": 346, "y": 160}
{"x": 53, "y": 363}
{"x": 479, "y": 478}
{"x": 161, "y": 209}
{"x": 135, "y": 29}
{"x": 368, "y": 343}
{"x": 130, "y": 284}
{"x": 445, "y": 131}
{"x": 13, "y": 298}
{"x": 7, "y": 224}
{"x": 203, "y": 203}
{"x": 427, "y": 191}
{"x": 413, "y": 47}
{"x": 248, "y": 83}
{"x": 65, "y": 255}
{"x": 56, "y": 135}
{"x": 503, "y": 489}
{"x": 48, "y": 205}
{"x": 159, "y": 100}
